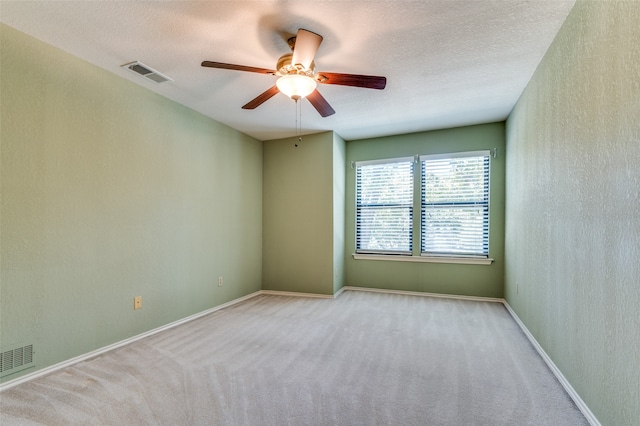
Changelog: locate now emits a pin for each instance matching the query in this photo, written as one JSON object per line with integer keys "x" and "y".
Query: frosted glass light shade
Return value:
{"x": 296, "y": 86}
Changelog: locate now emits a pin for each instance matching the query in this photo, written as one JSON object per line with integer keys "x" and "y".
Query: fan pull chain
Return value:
{"x": 298, "y": 122}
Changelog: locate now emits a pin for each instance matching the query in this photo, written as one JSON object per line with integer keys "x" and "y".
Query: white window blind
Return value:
{"x": 455, "y": 204}
{"x": 384, "y": 206}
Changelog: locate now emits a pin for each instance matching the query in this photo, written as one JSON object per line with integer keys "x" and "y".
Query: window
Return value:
{"x": 453, "y": 199}
{"x": 384, "y": 206}
{"x": 455, "y": 205}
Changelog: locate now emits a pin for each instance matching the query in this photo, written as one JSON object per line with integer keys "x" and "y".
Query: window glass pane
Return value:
{"x": 455, "y": 206}
{"x": 384, "y": 229}
{"x": 455, "y": 180}
{"x": 385, "y": 184}
{"x": 384, "y": 207}
{"x": 455, "y": 230}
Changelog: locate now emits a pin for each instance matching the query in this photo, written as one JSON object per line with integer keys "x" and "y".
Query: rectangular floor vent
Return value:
{"x": 15, "y": 360}
{"x": 146, "y": 72}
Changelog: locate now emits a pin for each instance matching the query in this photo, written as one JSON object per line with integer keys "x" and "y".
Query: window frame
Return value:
{"x": 416, "y": 254}
{"x": 484, "y": 204}
{"x": 410, "y": 206}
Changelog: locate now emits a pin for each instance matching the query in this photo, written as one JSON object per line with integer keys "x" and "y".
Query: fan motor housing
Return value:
{"x": 285, "y": 67}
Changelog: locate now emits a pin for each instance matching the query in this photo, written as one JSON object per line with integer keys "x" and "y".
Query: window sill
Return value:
{"x": 424, "y": 259}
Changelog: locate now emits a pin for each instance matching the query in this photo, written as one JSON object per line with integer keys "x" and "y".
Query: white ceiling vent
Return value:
{"x": 146, "y": 71}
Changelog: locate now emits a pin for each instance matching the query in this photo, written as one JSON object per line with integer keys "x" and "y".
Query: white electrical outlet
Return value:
{"x": 220, "y": 282}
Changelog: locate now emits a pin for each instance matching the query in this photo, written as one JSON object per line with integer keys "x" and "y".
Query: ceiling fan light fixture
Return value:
{"x": 296, "y": 86}
{"x": 298, "y": 77}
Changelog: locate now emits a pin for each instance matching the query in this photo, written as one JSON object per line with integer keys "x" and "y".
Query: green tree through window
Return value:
{"x": 454, "y": 205}
{"x": 384, "y": 207}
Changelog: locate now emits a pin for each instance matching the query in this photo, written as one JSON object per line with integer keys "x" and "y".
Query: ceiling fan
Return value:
{"x": 298, "y": 76}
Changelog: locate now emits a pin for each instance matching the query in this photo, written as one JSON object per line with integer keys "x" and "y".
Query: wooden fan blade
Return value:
{"x": 236, "y": 67}
{"x": 307, "y": 44}
{"x": 320, "y": 104}
{"x": 356, "y": 80}
{"x": 262, "y": 98}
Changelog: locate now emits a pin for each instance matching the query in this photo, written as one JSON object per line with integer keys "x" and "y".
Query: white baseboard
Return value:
{"x": 69, "y": 362}
{"x": 582, "y": 406}
{"x": 423, "y": 294}
{"x": 296, "y": 294}
{"x": 339, "y": 292}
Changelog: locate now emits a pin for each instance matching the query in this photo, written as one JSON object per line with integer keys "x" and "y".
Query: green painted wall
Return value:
{"x": 573, "y": 206}
{"x": 339, "y": 155}
{"x": 471, "y": 280}
{"x": 109, "y": 191}
{"x": 298, "y": 214}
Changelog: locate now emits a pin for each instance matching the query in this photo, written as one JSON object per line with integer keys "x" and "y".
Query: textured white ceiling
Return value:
{"x": 448, "y": 62}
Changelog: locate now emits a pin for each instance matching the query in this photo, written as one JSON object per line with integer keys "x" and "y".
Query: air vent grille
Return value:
{"x": 15, "y": 360}
{"x": 146, "y": 72}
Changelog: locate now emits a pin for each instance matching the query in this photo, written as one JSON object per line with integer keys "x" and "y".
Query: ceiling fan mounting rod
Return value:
{"x": 291, "y": 41}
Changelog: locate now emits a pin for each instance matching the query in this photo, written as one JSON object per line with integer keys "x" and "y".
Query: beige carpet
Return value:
{"x": 361, "y": 359}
